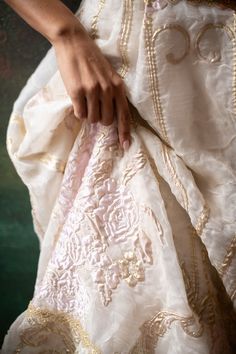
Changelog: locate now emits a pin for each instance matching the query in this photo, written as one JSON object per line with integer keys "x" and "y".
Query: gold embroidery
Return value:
{"x": 202, "y": 220}
{"x": 201, "y": 305}
{"x": 172, "y": 171}
{"x": 170, "y": 57}
{"x": 124, "y": 36}
{"x": 59, "y": 325}
{"x": 154, "y": 84}
{"x": 158, "y": 325}
{"x": 230, "y": 253}
{"x": 227, "y": 263}
{"x": 137, "y": 163}
{"x": 52, "y": 162}
{"x": 94, "y": 25}
{"x": 220, "y": 307}
{"x": 233, "y": 294}
{"x": 203, "y": 31}
{"x": 212, "y": 301}
{"x": 153, "y": 75}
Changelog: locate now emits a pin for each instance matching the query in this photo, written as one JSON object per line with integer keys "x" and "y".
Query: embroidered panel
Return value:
{"x": 103, "y": 229}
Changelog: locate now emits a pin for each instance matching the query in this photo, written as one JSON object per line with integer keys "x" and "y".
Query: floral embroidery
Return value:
{"x": 103, "y": 225}
{"x": 131, "y": 269}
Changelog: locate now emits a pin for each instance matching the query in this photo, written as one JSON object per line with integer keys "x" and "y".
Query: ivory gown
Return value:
{"x": 124, "y": 237}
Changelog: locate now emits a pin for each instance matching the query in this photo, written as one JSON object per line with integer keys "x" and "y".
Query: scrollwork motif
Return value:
{"x": 65, "y": 329}
{"x": 170, "y": 56}
{"x": 157, "y": 327}
{"x": 211, "y": 26}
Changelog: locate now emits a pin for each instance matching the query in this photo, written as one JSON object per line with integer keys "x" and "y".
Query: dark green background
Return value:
{"x": 21, "y": 49}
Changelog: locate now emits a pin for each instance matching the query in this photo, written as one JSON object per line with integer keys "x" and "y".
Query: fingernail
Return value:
{"x": 126, "y": 145}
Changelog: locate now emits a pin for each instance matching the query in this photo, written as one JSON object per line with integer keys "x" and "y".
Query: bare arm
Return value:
{"x": 96, "y": 90}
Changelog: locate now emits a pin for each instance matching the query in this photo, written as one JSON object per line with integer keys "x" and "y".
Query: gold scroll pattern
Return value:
{"x": 216, "y": 57}
{"x": 175, "y": 27}
{"x": 150, "y": 38}
{"x": 202, "y": 33}
{"x": 155, "y": 328}
{"x": 44, "y": 323}
{"x": 203, "y": 304}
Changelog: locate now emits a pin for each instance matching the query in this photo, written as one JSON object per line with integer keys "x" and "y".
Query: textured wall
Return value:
{"x": 18, "y": 244}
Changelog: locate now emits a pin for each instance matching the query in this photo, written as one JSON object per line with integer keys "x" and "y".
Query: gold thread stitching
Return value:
{"x": 154, "y": 83}
{"x": 94, "y": 25}
{"x": 202, "y": 220}
{"x": 230, "y": 253}
{"x": 48, "y": 321}
{"x": 172, "y": 171}
{"x": 154, "y": 77}
{"x": 137, "y": 163}
{"x": 124, "y": 36}
{"x": 158, "y": 325}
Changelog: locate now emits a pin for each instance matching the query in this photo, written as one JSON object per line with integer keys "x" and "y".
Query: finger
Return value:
{"x": 124, "y": 118}
{"x": 107, "y": 106}
{"x": 93, "y": 108}
{"x": 79, "y": 105}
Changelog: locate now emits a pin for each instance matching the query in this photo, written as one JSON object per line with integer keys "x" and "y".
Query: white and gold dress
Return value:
{"x": 137, "y": 247}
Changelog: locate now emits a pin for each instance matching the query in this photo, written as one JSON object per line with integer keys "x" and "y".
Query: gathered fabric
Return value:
{"x": 137, "y": 247}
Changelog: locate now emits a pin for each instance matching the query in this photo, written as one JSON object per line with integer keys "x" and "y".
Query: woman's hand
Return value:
{"x": 96, "y": 90}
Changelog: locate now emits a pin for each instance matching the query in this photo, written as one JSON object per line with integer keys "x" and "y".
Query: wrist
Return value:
{"x": 67, "y": 32}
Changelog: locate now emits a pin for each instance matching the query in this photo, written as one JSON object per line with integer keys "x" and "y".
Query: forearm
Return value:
{"x": 50, "y": 18}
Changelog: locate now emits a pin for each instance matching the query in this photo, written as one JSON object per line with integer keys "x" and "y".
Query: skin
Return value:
{"x": 96, "y": 90}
